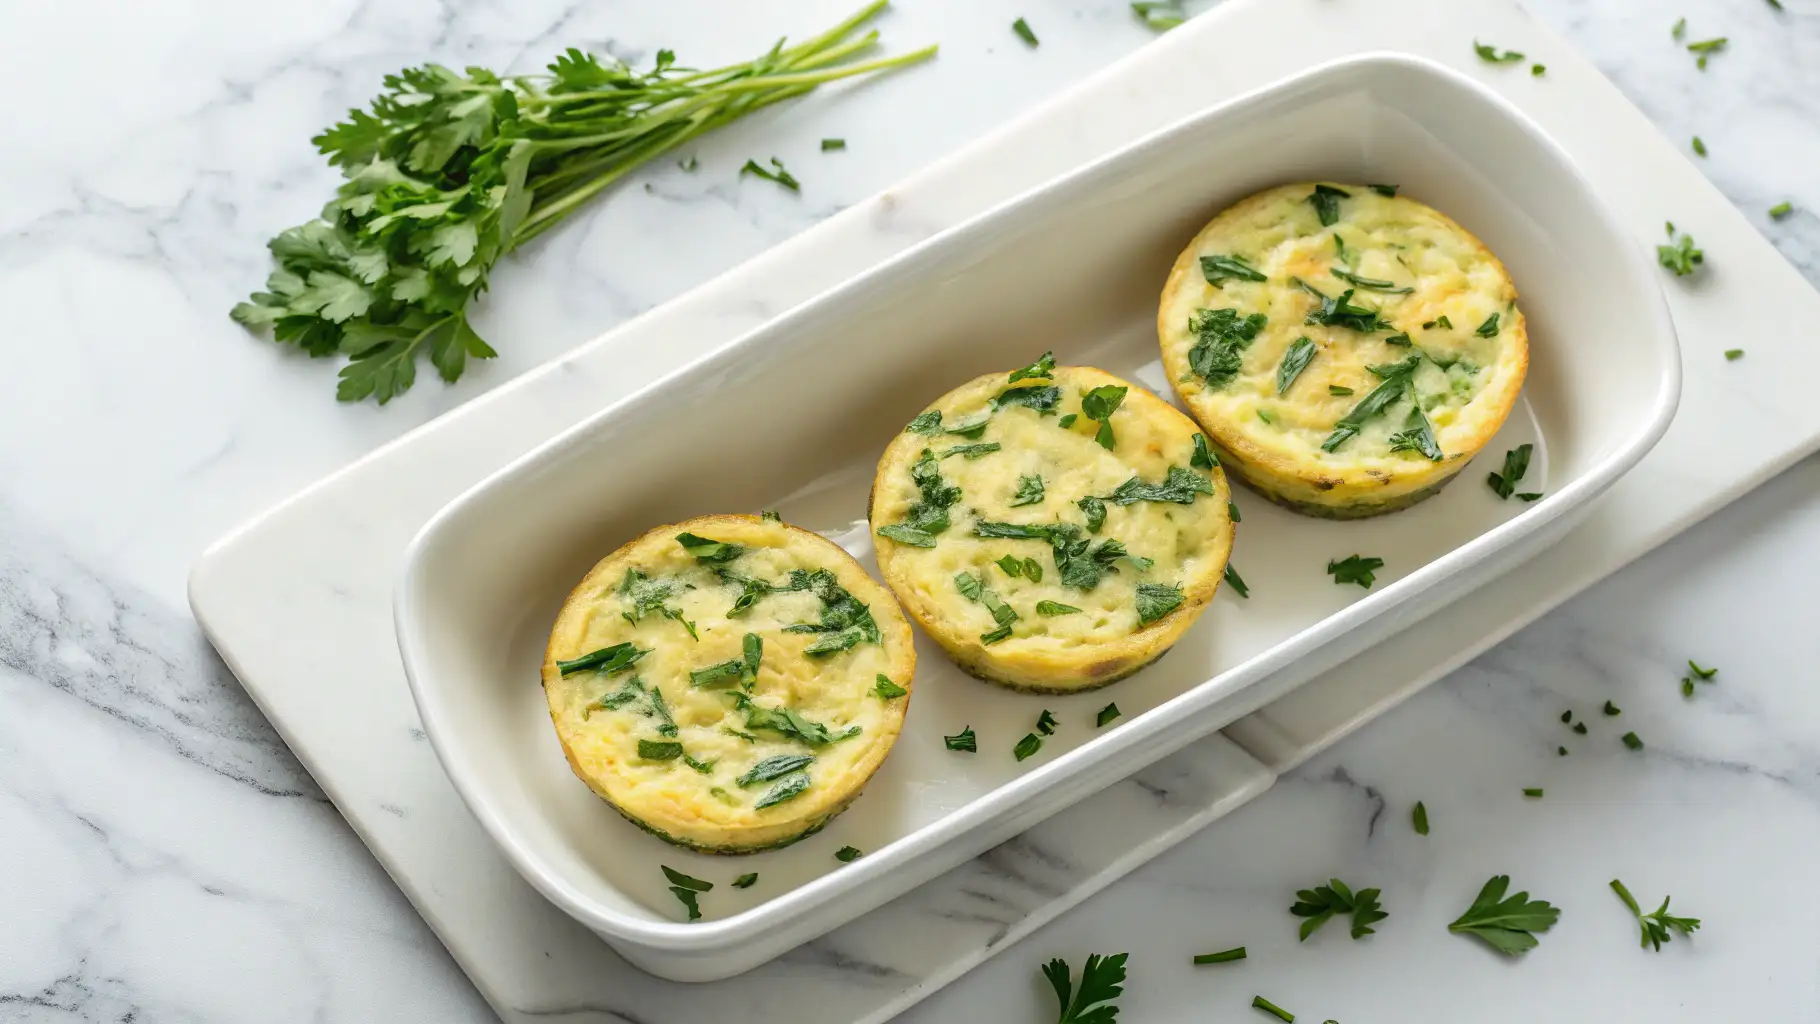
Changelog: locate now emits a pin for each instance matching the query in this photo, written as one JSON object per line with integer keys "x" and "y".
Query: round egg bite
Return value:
{"x": 728, "y": 683}
{"x": 1347, "y": 349}
{"x": 1054, "y": 529}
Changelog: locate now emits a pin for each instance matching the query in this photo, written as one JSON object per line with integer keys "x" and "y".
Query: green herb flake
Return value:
{"x": 1338, "y": 391}
{"x": 717, "y": 675}
{"x": 848, "y": 854}
{"x": 885, "y": 689}
{"x": 1179, "y": 486}
{"x": 1067, "y": 420}
{"x": 1219, "y": 269}
{"x": 746, "y": 881}
{"x": 1656, "y": 925}
{"x": 1516, "y": 463}
{"x": 1203, "y": 457}
{"x": 1781, "y": 210}
{"x": 607, "y": 660}
{"x": 963, "y": 741}
{"x": 1699, "y": 146}
{"x": 1371, "y": 284}
{"x": 1029, "y": 491}
{"x": 1417, "y": 436}
{"x": 1326, "y": 202}
{"x": 1680, "y": 30}
{"x": 1508, "y": 925}
{"x": 1099, "y": 405}
{"x": 1488, "y": 329}
{"x": 1161, "y": 16}
{"x": 1013, "y": 566}
{"x": 1232, "y": 512}
{"x": 1260, "y": 1003}
{"x": 1701, "y": 673}
{"x": 775, "y": 173}
{"x": 1534, "y": 793}
{"x": 1102, "y": 981}
{"x": 774, "y": 767}
{"x": 926, "y": 423}
{"x": 1490, "y": 54}
{"x": 704, "y": 767}
{"x": 1679, "y": 256}
{"x": 1732, "y": 355}
{"x": 1236, "y": 582}
{"x": 659, "y": 750}
{"x": 770, "y": 517}
{"x": 1095, "y": 511}
{"x": 1050, "y": 609}
{"x": 788, "y": 788}
{"x": 1107, "y": 714}
{"x": 1043, "y": 368}
{"x": 1632, "y": 741}
{"x": 1580, "y": 727}
{"x": 1027, "y": 746}
{"x": 1355, "y": 569}
{"x": 970, "y": 585}
{"x": 1538, "y": 70}
{"x": 1222, "y": 337}
{"x": 1561, "y": 751}
{"x": 1419, "y": 818}
{"x": 1341, "y": 311}
{"x": 1155, "y": 600}
{"x": 1321, "y": 903}
{"x": 972, "y": 451}
{"x": 688, "y": 164}
{"x": 1611, "y": 710}
{"x": 709, "y": 551}
{"x": 833, "y": 145}
{"x": 686, "y": 889}
{"x": 1295, "y": 360}
{"x": 1022, "y": 28}
{"x": 845, "y": 621}
{"x": 1387, "y": 191}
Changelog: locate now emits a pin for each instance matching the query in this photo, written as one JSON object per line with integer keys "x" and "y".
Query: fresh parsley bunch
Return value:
{"x": 448, "y": 171}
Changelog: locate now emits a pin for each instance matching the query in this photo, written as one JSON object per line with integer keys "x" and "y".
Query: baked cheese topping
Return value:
{"x": 1029, "y": 520}
{"x": 728, "y": 681}
{"x": 1344, "y": 330}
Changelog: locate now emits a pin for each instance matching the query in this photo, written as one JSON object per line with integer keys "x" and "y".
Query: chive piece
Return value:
{"x": 1632, "y": 741}
{"x": 1107, "y": 714}
{"x": 963, "y": 741}
{"x": 1162, "y": 16}
{"x": 1732, "y": 355}
{"x": 1419, "y": 818}
{"x": 1370, "y": 284}
{"x": 778, "y": 175}
{"x": 1516, "y": 463}
{"x": 1224, "y": 956}
{"x": 1687, "y": 687}
{"x": 607, "y": 661}
{"x": 1488, "y": 329}
{"x": 1580, "y": 727}
{"x": 1030, "y": 744}
{"x": 746, "y": 881}
{"x": 1219, "y": 268}
{"x": 1259, "y": 1002}
{"x": 1338, "y": 390}
{"x": 1611, "y": 710}
{"x": 1699, "y": 147}
{"x": 686, "y": 889}
{"x": 704, "y": 767}
{"x": 706, "y": 550}
{"x": 1236, "y": 582}
{"x": 830, "y": 145}
{"x": 1067, "y": 420}
{"x": 1294, "y": 362}
{"x": 1022, "y": 28}
{"x": 1232, "y": 512}
{"x": 1534, "y": 793}
{"x": 1267, "y": 417}
{"x": 1781, "y": 210}
{"x": 848, "y": 854}
{"x": 1680, "y": 29}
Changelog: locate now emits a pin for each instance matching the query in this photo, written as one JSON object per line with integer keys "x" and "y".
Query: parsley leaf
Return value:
{"x": 1321, "y": 903}
{"x": 972, "y": 451}
{"x": 607, "y": 661}
{"x": 845, "y": 621}
{"x": 1099, "y": 404}
{"x": 1490, "y": 54}
{"x": 686, "y": 890}
{"x": 1509, "y": 925}
{"x": 1516, "y": 463}
{"x": 1044, "y": 367}
{"x": 1419, "y": 818}
{"x": 884, "y": 689}
{"x": 1203, "y": 457}
{"x": 788, "y": 788}
{"x": 775, "y": 767}
{"x": 1180, "y": 486}
{"x": 1095, "y": 511}
{"x": 1161, "y": 15}
{"x": 746, "y": 881}
{"x": 1355, "y": 569}
{"x": 1053, "y": 608}
{"x": 1236, "y": 582}
{"x": 1043, "y": 398}
{"x": 1396, "y": 381}
{"x": 848, "y": 854}
{"x": 1220, "y": 269}
{"x": 926, "y": 423}
{"x": 1022, "y": 28}
{"x": 1223, "y": 336}
{"x": 1295, "y": 360}
{"x": 1679, "y": 256}
{"x": 1102, "y": 981}
{"x": 1417, "y": 435}
{"x": 1341, "y": 311}
{"x": 1045, "y": 723}
{"x": 1326, "y": 202}
{"x": 710, "y": 551}
{"x": 659, "y": 750}
{"x": 647, "y": 596}
{"x": 962, "y": 741}
{"x": 1027, "y": 746}
{"x": 1370, "y": 284}
{"x": 1657, "y": 924}
{"x": 775, "y": 172}
{"x": 1155, "y": 600}
{"x": 1029, "y": 491}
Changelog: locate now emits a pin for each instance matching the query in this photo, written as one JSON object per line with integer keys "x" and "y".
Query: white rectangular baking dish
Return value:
{"x": 792, "y": 416}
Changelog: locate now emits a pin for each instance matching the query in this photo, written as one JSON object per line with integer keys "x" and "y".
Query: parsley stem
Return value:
{"x": 1269, "y": 1007}
{"x": 1223, "y": 957}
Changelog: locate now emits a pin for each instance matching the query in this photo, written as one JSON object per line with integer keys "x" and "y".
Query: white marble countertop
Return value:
{"x": 167, "y": 859}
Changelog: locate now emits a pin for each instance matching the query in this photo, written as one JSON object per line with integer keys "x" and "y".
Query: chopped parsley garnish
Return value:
{"x": 1655, "y": 925}
{"x": 1439, "y": 321}
{"x": 845, "y": 621}
{"x": 1162, "y": 16}
{"x": 1155, "y": 600}
{"x": 659, "y": 750}
{"x": 1680, "y": 29}
{"x": 1079, "y": 562}
{"x": 929, "y": 515}
{"x": 1045, "y": 723}
{"x": 1679, "y": 256}
{"x": 1490, "y": 54}
{"x": 1220, "y": 269}
{"x": 1371, "y": 284}
{"x": 717, "y": 675}
{"x": 1030, "y": 744}
{"x": 1326, "y": 202}
{"x": 1002, "y": 613}
{"x": 1224, "y": 956}
{"x": 704, "y": 767}
{"x": 775, "y": 767}
{"x": 1029, "y": 491}
{"x": 686, "y": 890}
{"x": 962, "y": 741}
{"x": 972, "y": 451}
{"x": 884, "y": 689}
{"x": 666, "y": 724}
{"x": 926, "y": 423}
{"x": 1042, "y": 398}
{"x": 647, "y": 595}
{"x": 1049, "y": 609}
{"x": 1561, "y": 751}
{"x": 775, "y": 173}
{"x": 1236, "y": 582}
{"x": 746, "y": 881}
{"x": 1260, "y": 1003}
{"x": 633, "y": 689}
{"x": 607, "y": 661}
{"x": 788, "y": 722}
{"x": 1294, "y": 362}
{"x": 1402, "y": 340}
{"x": 1022, "y": 28}
{"x": 1203, "y": 457}
{"x": 1013, "y": 566}
{"x": 1044, "y": 367}
{"x": 1323, "y": 902}
{"x": 1107, "y": 714}
{"x": 848, "y": 854}
{"x": 1223, "y": 335}
{"x": 1102, "y": 979}
{"x": 1419, "y": 818}
{"x": 1612, "y": 710}
{"x": 1509, "y": 925}
{"x": 1067, "y": 420}
{"x": 1232, "y": 512}
{"x": 1396, "y": 379}
{"x": 970, "y": 586}
{"x": 1781, "y": 210}
{"x": 1338, "y": 390}
{"x": 1179, "y": 486}
{"x": 1417, "y": 435}
{"x": 1538, "y": 70}
{"x": 1705, "y": 48}
{"x": 1580, "y": 727}
{"x": 1516, "y": 463}
{"x": 770, "y": 516}
{"x": 1099, "y": 405}
{"x": 972, "y": 429}
{"x": 1095, "y": 511}
{"x": 1534, "y": 793}
{"x": 751, "y": 589}
{"x": 1341, "y": 311}
{"x": 830, "y": 145}
{"x": 1732, "y": 355}
{"x": 1632, "y": 740}
{"x": 710, "y": 551}
{"x": 1387, "y": 191}
{"x": 1699, "y": 147}
{"x": 788, "y": 788}
{"x": 1355, "y": 569}
{"x": 1488, "y": 329}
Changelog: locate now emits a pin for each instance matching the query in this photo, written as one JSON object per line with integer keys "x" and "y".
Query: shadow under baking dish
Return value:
{"x": 794, "y": 415}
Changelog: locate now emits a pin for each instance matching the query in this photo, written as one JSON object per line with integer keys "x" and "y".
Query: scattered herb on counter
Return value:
{"x": 1419, "y": 818}
{"x": 1099, "y": 405}
{"x": 1490, "y": 54}
{"x": 1508, "y": 925}
{"x": 1225, "y": 956}
{"x": 1045, "y": 723}
{"x": 1107, "y": 714}
{"x": 1387, "y": 191}
{"x": 1161, "y": 16}
{"x": 788, "y": 788}
{"x": 1179, "y": 486}
{"x": 1611, "y": 710}
{"x": 1155, "y": 600}
{"x": 1259, "y": 1002}
{"x": 1338, "y": 390}
{"x": 607, "y": 661}
{"x": 686, "y": 889}
{"x": 448, "y": 171}
{"x": 1236, "y": 582}
{"x": 1516, "y": 463}
{"x": 1218, "y": 269}
{"x": 1355, "y": 569}
{"x": 1203, "y": 457}
{"x": 1657, "y": 924}
{"x": 1632, "y": 740}
{"x": 1567, "y": 716}
{"x": 1679, "y": 256}
{"x": 832, "y": 145}
{"x": 1323, "y": 902}
{"x": 746, "y": 881}
{"x": 1029, "y": 491}
{"x": 963, "y": 741}
{"x": 885, "y": 689}
{"x": 1370, "y": 284}
{"x": 659, "y": 750}
{"x": 1580, "y": 727}
{"x": 1538, "y": 70}
{"x": 1050, "y": 609}
{"x": 1022, "y": 28}
{"x": 1781, "y": 210}
{"x": 1706, "y": 48}
{"x": 848, "y": 854}
{"x": 1223, "y": 335}
{"x": 972, "y": 452}
{"x": 1530, "y": 496}
{"x": 1561, "y": 751}
{"x": 775, "y": 173}
{"x": 1102, "y": 981}
{"x": 1732, "y": 355}
{"x": 1699, "y": 147}
{"x": 689, "y": 164}
{"x": 1533, "y": 792}
{"x": 1295, "y": 360}
{"x": 1680, "y": 30}
{"x": 1030, "y": 744}
{"x": 775, "y": 767}
{"x": 1326, "y": 202}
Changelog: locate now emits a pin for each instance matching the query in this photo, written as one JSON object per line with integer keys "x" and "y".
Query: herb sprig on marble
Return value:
{"x": 448, "y": 171}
